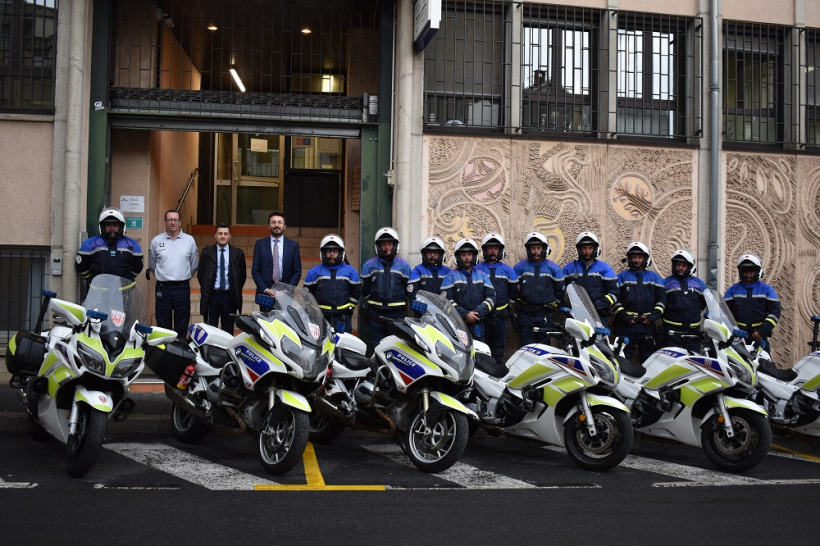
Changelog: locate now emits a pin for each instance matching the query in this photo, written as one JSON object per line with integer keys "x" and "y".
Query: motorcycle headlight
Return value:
{"x": 126, "y": 367}
{"x": 443, "y": 351}
{"x": 90, "y": 358}
{"x": 742, "y": 372}
{"x": 603, "y": 369}
{"x": 292, "y": 350}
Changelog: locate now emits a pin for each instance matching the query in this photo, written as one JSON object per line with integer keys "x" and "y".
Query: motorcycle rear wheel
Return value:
{"x": 324, "y": 429}
{"x": 608, "y": 447}
{"x": 188, "y": 428}
{"x": 746, "y": 449}
{"x": 83, "y": 447}
{"x": 283, "y": 438}
{"x": 438, "y": 443}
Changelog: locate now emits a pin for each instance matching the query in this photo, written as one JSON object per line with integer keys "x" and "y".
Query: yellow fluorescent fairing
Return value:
{"x": 278, "y": 329}
{"x": 96, "y": 344}
{"x": 433, "y": 335}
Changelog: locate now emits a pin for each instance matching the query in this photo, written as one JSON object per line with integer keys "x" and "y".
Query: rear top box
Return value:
{"x": 169, "y": 363}
{"x": 25, "y": 353}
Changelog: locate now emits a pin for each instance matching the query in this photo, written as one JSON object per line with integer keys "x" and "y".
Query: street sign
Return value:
{"x": 426, "y": 19}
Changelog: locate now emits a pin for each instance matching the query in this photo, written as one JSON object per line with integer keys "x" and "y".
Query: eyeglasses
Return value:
{"x": 172, "y": 219}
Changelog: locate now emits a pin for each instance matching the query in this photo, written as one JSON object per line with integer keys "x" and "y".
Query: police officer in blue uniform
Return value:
{"x": 335, "y": 284}
{"x": 641, "y": 302}
{"x": 753, "y": 303}
{"x": 595, "y": 276}
{"x": 684, "y": 303}
{"x": 469, "y": 288}
{"x": 540, "y": 289}
{"x": 384, "y": 284}
{"x": 111, "y": 251}
{"x": 505, "y": 283}
{"x": 430, "y": 273}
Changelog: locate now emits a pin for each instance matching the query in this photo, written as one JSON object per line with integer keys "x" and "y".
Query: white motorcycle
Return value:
{"x": 558, "y": 397}
{"x": 701, "y": 401}
{"x": 257, "y": 380}
{"x": 75, "y": 377}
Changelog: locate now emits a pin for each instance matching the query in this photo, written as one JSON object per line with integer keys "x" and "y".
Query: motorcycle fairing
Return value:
{"x": 73, "y": 313}
{"x": 57, "y": 377}
{"x": 278, "y": 329}
{"x": 256, "y": 360}
{"x": 98, "y": 400}
{"x": 556, "y": 390}
{"x": 410, "y": 365}
{"x": 673, "y": 373}
{"x": 598, "y": 400}
{"x": 96, "y": 345}
{"x": 293, "y": 399}
{"x": 431, "y": 335}
{"x": 533, "y": 374}
{"x": 812, "y": 383}
{"x": 450, "y": 402}
{"x": 731, "y": 403}
{"x": 698, "y": 388}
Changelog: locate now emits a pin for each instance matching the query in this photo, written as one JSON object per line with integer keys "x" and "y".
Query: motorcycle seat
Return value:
{"x": 629, "y": 368}
{"x": 488, "y": 365}
{"x": 767, "y": 367}
{"x": 355, "y": 361}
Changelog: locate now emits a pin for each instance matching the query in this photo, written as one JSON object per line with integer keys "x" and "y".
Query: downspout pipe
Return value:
{"x": 714, "y": 143}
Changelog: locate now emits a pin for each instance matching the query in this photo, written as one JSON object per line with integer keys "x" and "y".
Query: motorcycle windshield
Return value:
{"x": 121, "y": 299}
{"x": 717, "y": 309}
{"x": 297, "y": 308}
{"x": 582, "y": 307}
{"x": 443, "y": 316}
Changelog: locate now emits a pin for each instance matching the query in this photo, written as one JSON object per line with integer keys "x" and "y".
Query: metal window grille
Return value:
{"x": 23, "y": 275}
{"x": 314, "y": 60}
{"x": 756, "y": 62}
{"x": 812, "y": 101}
{"x": 659, "y": 74}
{"x": 28, "y": 53}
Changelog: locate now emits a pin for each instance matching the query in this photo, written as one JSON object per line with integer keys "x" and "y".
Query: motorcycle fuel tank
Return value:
{"x": 808, "y": 372}
{"x": 664, "y": 367}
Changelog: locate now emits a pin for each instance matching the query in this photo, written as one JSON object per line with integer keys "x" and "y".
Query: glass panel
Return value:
{"x": 643, "y": 121}
{"x": 223, "y": 204}
{"x": 537, "y": 50}
{"x": 260, "y": 155}
{"x": 630, "y": 63}
{"x": 254, "y": 203}
{"x": 316, "y": 153}
{"x": 575, "y": 76}
{"x": 224, "y": 156}
{"x": 663, "y": 66}
{"x": 812, "y": 76}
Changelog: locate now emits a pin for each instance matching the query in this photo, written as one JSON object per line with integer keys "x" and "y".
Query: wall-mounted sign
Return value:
{"x": 132, "y": 203}
{"x": 426, "y": 20}
{"x": 133, "y": 222}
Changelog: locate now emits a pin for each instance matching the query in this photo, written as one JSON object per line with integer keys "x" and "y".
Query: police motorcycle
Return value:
{"x": 792, "y": 396}
{"x": 701, "y": 400}
{"x": 255, "y": 381}
{"x": 558, "y": 396}
{"x": 75, "y": 377}
{"x": 407, "y": 388}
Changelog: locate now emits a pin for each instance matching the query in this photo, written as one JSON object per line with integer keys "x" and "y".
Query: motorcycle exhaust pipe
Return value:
{"x": 184, "y": 402}
{"x": 243, "y": 426}
{"x": 323, "y": 405}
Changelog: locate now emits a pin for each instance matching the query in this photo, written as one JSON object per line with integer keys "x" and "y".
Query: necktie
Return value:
{"x": 223, "y": 282}
{"x": 276, "y": 269}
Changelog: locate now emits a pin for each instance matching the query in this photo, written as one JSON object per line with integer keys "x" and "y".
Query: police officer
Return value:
{"x": 540, "y": 289}
{"x": 111, "y": 251}
{"x": 469, "y": 288}
{"x": 595, "y": 276}
{"x": 335, "y": 284}
{"x": 753, "y": 303}
{"x": 384, "y": 283}
{"x": 505, "y": 283}
{"x": 684, "y": 303}
{"x": 641, "y": 301}
{"x": 429, "y": 274}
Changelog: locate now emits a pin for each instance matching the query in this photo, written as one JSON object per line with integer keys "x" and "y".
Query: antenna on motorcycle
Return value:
{"x": 419, "y": 307}
{"x": 264, "y": 301}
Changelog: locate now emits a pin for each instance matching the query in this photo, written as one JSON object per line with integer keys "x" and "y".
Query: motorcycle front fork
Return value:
{"x": 727, "y": 419}
{"x": 590, "y": 419}
{"x": 73, "y": 417}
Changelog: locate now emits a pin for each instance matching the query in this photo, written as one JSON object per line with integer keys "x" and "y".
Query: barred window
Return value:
{"x": 23, "y": 275}
{"x": 559, "y": 69}
{"x": 813, "y": 87}
{"x": 28, "y": 51}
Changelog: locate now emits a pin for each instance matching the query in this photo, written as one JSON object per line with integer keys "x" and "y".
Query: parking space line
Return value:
{"x": 796, "y": 453}
{"x": 16, "y": 485}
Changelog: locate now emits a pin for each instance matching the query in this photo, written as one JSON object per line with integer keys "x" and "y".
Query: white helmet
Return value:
{"x": 750, "y": 259}
{"x": 466, "y": 245}
{"x": 433, "y": 243}
{"x": 493, "y": 238}
{"x": 114, "y": 213}
{"x": 588, "y": 238}
{"x": 682, "y": 255}
{"x": 387, "y": 234}
{"x": 637, "y": 247}
{"x": 533, "y": 238}
{"x": 332, "y": 241}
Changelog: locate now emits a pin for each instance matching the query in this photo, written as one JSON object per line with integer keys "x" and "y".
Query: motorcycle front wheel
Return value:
{"x": 436, "y": 443}
{"x": 745, "y": 449}
{"x": 609, "y": 446}
{"x": 282, "y": 438}
{"x": 83, "y": 447}
{"x": 324, "y": 429}
{"x": 187, "y": 427}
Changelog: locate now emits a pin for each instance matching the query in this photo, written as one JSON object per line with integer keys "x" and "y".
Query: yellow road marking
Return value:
{"x": 796, "y": 453}
{"x": 315, "y": 481}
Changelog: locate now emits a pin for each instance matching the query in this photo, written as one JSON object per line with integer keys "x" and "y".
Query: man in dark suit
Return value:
{"x": 285, "y": 266}
{"x": 222, "y": 273}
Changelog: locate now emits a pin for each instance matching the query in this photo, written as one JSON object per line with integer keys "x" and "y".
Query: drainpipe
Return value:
{"x": 714, "y": 143}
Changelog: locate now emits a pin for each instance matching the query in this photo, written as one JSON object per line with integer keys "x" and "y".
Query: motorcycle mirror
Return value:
{"x": 340, "y": 327}
{"x": 566, "y": 310}
{"x": 419, "y": 306}
{"x": 264, "y": 301}
{"x": 96, "y": 315}
{"x": 740, "y": 333}
{"x": 602, "y": 331}
{"x": 143, "y": 329}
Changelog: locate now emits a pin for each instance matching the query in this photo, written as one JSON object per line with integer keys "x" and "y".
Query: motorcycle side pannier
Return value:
{"x": 25, "y": 353}
{"x": 170, "y": 362}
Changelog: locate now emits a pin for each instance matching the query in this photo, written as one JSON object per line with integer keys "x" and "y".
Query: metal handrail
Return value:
{"x": 187, "y": 188}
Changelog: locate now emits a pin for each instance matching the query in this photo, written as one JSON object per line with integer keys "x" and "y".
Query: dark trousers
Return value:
{"x": 335, "y": 318}
{"x": 495, "y": 335}
{"x": 174, "y": 306}
{"x": 527, "y": 322}
{"x": 220, "y": 308}
{"x": 378, "y": 329}
{"x": 641, "y": 338}
{"x": 673, "y": 337}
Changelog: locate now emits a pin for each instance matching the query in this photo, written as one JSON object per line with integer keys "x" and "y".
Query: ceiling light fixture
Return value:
{"x": 237, "y": 79}
{"x": 306, "y": 30}
{"x": 212, "y": 27}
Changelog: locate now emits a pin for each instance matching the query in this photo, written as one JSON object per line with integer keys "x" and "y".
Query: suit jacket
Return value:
{"x": 208, "y": 267}
{"x": 262, "y": 268}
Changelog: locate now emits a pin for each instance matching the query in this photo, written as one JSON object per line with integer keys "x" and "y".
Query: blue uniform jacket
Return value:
{"x": 640, "y": 294}
{"x": 505, "y": 282}
{"x": 598, "y": 279}
{"x": 123, "y": 258}
{"x": 384, "y": 285}
{"x": 337, "y": 288}
{"x": 754, "y": 306}
{"x": 538, "y": 289}
{"x": 469, "y": 291}
{"x": 426, "y": 278}
{"x": 684, "y": 301}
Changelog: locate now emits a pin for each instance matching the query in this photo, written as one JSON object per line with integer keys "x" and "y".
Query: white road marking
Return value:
{"x": 16, "y": 485}
{"x": 189, "y": 467}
